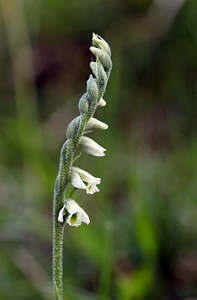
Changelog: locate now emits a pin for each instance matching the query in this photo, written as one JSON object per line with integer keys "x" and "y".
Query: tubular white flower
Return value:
{"x": 91, "y": 147}
{"x": 84, "y": 180}
{"x": 96, "y": 124}
{"x": 101, "y": 102}
{"x": 73, "y": 214}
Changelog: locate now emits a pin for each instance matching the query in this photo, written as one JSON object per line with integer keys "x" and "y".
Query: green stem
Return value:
{"x": 58, "y": 232}
{"x": 58, "y": 227}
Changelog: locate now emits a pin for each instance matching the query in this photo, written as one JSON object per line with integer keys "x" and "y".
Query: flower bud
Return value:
{"x": 101, "y": 102}
{"x": 98, "y": 41}
{"x": 83, "y": 104}
{"x": 102, "y": 79}
{"x": 92, "y": 90}
{"x": 91, "y": 147}
{"x": 96, "y": 124}
{"x": 73, "y": 127}
{"x": 103, "y": 57}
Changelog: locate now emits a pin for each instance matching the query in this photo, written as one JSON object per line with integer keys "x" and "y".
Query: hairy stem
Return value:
{"x": 58, "y": 231}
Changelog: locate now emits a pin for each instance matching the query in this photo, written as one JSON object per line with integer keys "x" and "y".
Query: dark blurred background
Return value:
{"x": 141, "y": 243}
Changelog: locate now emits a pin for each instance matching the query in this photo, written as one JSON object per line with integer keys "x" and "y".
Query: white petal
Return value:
{"x": 61, "y": 215}
{"x": 72, "y": 206}
{"x": 96, "y": 124}
{"x": 84, "y": 217}
{"x": 97, "y": 52}
{"x": 85, "y": 176}
{"x": 101, "y": 102}
{"x": 91, "y": 147}
{"x": 76, "y": 181}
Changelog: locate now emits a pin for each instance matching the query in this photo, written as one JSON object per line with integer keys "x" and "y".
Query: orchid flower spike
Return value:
{"x": 84, "y": 180}
{"x": 69, "y": 212}
{"x": 73, "y": 214}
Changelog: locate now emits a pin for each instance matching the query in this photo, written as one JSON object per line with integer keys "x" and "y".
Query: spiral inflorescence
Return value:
{"x": 88, "y": 103}
{"x": 66, "y": 210}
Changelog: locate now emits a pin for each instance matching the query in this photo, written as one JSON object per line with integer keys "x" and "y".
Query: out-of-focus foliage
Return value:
{"x": 141, "y": 242}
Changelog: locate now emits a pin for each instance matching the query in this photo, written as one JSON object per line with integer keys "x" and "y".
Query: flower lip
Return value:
{"x": 73, "y": 214}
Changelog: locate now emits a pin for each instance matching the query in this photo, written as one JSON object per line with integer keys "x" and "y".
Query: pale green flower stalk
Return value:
{"x": 66, "y": 210}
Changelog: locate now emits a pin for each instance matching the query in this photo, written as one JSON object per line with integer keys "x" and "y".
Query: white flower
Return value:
{"x": 73, "y": 214}
{"x": 101, "y": 102}
{"x": 96, "y": 124}
{"x": 91, "y": 147}
{"x": 84, "y": 180}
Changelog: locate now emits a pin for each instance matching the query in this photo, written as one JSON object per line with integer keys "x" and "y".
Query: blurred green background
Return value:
{"x": 142, "y": 239}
